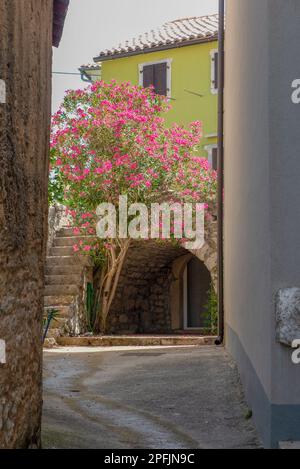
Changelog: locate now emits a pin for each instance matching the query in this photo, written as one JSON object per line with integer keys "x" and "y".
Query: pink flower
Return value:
{"x": 85, "y": 225}
{"x": 84, "y": 216}
{"x": 99, "y": 170}
{"x": 112, "y": 138}
{"x": 107, "y": 166}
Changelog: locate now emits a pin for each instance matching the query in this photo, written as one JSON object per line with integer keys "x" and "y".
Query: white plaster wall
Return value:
{"x": 262, "y": 200}
{"x": 247, "y": 203}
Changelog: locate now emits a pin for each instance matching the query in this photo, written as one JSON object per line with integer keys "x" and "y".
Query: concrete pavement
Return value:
{"x": 153, "y": 398}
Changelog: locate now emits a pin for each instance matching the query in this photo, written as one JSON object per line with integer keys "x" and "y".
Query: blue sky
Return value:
{"x": 94, "y": 25}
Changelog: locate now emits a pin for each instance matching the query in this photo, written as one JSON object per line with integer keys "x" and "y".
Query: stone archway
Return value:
{"x": 148, "y": 298}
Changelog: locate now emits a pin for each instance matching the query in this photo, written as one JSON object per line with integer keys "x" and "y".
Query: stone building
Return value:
{"x": 28, "y": 28}
{"x": 162, "y": 288}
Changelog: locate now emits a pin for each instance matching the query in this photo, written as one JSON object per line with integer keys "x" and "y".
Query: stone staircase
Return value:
{"x": 67, "y": 275}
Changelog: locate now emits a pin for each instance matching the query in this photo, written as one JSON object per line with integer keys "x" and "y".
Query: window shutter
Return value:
{"x": 156, "y": 75}
{"x": 148, "y": 76}
{"x": 160, "y": 78}
{"x": 214, "y": 162}
{"x": 216, "y": 70}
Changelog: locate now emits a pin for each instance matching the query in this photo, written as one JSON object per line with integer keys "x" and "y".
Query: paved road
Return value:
{"x": 183, "y": 398}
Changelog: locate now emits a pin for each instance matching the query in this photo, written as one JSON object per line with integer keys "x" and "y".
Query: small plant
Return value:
{"x": 56, "y": 188}
{"x": 91, "y": 307}
{"x": 211, "y": 310}
{"x": 51, "y": 316}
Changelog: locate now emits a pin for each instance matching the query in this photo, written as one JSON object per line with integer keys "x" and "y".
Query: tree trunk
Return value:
{"x": 109, "y": 281}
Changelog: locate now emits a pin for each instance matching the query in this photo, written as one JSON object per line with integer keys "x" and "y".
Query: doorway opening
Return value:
{"x": 196, "y": 285}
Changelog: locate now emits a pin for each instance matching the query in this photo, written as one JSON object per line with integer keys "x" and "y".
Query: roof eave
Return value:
{"x": 148, "y": 50}
{"x": 86, "y": 69}
{"x": 60, "y": 9}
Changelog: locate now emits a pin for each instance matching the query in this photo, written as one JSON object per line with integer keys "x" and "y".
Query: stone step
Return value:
{"x": 69, "y": 241}
{"x": 62, "y": 251}
{"x": 56, "y": 290}
{"x": 64, "y": 311}
{"x": 60, "y": 300}
{"x": 64, "y": 270}
{"x": 65, "y": 232}
{"x": 50, "y": 343}
{"x": 105, "y": 341}
{"x": 53, "y": 333}
{"x": 68, "y": 279}
{"x": 58, "y": 323}
{"x": 58, "y": 261}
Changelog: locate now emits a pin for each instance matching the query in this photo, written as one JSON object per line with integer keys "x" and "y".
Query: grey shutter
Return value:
{"x": 216, "y": 70}
{"x": 156, "y": 75}
{"x": 148, "y": 76}
{"x": 215, "y": 159}
{"x": 160, "y": 78}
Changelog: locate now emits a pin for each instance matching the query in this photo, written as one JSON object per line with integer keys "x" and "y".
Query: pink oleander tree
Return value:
{"x": 110, "y": 140}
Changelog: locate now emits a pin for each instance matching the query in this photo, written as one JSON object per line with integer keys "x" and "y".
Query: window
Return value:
{"x": 214, "y": 70}
{"x": 214, "y": 159}
{"x": 157, "y": 74}
{"x": 212, "y": 151}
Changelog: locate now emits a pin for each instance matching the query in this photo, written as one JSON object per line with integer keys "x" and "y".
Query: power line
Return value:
{"x": 66, "y": 73}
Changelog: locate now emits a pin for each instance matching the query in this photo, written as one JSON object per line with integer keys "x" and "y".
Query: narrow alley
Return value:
{"x": 179, "y": 398}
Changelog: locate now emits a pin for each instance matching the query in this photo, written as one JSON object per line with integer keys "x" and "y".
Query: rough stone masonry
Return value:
{"x": 25, "y": 66}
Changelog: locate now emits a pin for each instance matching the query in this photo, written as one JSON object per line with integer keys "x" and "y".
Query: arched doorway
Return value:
{"x": 196, "y": 285}
{"x": 189, "y": 294}
{"x": 150, "y": 298}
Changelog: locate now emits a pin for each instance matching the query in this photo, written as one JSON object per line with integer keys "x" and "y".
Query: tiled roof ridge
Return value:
{"x": 171, "y": 33}
{"x": 192, "y": 18}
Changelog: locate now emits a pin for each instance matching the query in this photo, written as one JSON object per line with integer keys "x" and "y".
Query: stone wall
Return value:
{"x": 25, "y": 65}
{"x": 142, "y": 298}
{"x": 149, "y": 293}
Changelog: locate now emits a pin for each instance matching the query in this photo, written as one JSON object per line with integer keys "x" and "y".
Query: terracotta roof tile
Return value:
{"x": 181, "y": 31}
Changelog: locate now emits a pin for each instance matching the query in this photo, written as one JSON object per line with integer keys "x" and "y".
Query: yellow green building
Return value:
{"x": 180, "y": 60}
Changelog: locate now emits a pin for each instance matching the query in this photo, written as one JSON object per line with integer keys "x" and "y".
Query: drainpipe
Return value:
{"x": 221, "y": 37}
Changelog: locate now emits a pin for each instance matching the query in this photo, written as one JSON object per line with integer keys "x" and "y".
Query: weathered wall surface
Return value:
{"x": 25, "y": 65}
{"x": 149, "y": 294}
{"x": 142, "y": 298}
{"x": 262, "y": 192}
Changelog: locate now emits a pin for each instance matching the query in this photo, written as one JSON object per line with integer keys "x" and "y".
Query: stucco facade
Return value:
{"x": 262, "y": 193}
{"x": 183, "y": 54}
{"x": 190, "y": 77}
